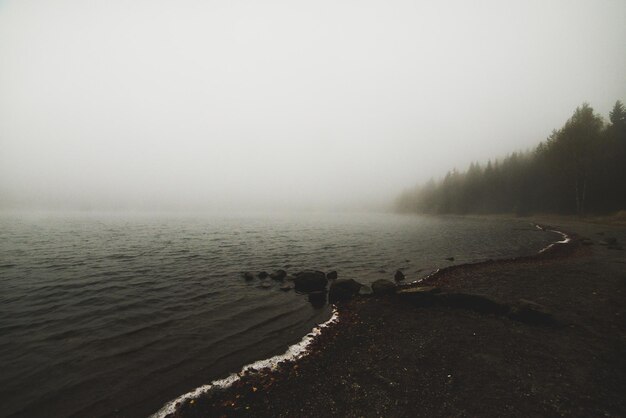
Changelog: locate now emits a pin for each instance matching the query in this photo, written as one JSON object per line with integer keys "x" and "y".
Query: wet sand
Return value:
{"x": 388, "y": 356}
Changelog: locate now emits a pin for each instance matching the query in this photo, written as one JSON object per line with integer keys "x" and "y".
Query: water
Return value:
{"x": 116, "y": 315}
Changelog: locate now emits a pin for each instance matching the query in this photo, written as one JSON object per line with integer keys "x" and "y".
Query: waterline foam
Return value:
{"x": 566, "y": 238}
{"x": 294, "y": 352}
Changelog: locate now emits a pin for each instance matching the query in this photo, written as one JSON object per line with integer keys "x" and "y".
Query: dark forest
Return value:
{"x": 579, "y": 169}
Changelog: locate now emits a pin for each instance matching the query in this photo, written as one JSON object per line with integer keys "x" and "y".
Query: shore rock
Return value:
{"x": 476, "y": 303}
{"x": 331, "y": 275}
{"x": 310, "y": 281}
{"x": 383, "y": 287}
{"x": 531, "y": 313}
{"x": 399, "y": 276}
{"x": 278, "y": 275}
{"x": 611, "y": 243}
{"x": 343, "y": 289}
{"x": 420, "y": 295}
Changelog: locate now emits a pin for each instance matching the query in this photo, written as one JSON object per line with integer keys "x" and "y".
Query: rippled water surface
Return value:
{"x": 116, "y": 315}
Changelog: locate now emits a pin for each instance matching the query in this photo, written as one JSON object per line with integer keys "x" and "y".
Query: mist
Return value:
{"x": 212, "y": 105}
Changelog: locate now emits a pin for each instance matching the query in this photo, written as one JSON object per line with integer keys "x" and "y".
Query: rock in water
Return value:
{"x": 398, "y": 276}
{"x": 383, "y": 287}
{"x": 317, "y": 299}
{"x": 450, "y": 258}
{"x": 286, "y": 287}
{"x": 310, "y": 281}
{"x": 248, "y": 276}
{"x": 279, "y": 275}
{"x": 343, "y": 289}
{"x": 331, "y": 275}
{"x": 365, "y": 290}
{"x": 262, "y": 275}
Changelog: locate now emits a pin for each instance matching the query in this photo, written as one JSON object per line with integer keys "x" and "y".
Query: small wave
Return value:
{"x": 205, "y": 295}
{"x": 123, "y": 256}
{"x": 58, "y": 266}
{"x": 294, "y": 352}
{"x": 7, "y": 266}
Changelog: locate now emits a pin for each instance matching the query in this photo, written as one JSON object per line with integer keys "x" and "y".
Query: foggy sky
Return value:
{"x": 284, "y": 104}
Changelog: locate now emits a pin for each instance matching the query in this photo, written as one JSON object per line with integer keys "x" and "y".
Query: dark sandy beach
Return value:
{"x": 400, "y": 356}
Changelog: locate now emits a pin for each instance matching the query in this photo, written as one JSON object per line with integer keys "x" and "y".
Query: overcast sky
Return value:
{"x": 119, "y": 104}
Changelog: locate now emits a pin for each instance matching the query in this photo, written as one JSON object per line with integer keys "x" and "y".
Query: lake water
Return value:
{"x": 117, "y": 314}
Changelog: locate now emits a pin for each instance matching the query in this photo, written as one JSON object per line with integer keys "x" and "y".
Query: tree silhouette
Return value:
{"x": 579, "y": 168}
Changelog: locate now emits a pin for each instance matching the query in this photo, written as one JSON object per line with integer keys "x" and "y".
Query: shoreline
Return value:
{"x": 292, "y": 354}
{"x": 554, "y": 249}
{"x": 229, "y": 402}
{"x": 209, "y": 321}
{"x": 297, "y": 351}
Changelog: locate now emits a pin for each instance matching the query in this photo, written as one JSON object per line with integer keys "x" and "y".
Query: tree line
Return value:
{"x": 579, "y": 169}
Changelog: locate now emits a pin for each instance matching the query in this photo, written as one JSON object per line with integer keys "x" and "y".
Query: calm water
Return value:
{"x": 115, "y": 315}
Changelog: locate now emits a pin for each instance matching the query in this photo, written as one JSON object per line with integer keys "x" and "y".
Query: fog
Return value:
{"x": 224, "y": 105}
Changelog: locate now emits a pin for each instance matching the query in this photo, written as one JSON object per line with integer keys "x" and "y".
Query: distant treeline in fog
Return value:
{"x": 579, "y": 169}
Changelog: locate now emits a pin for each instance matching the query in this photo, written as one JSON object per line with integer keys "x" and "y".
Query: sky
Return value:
{"x": 223, "y": 105}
